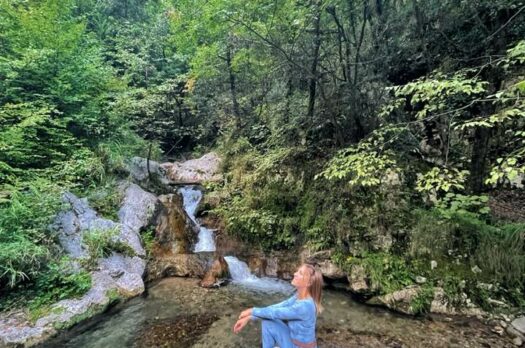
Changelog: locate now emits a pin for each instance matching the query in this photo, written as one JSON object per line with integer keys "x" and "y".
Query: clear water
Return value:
{"x": 344, "y": 323}
{"x": 178, "y": 313}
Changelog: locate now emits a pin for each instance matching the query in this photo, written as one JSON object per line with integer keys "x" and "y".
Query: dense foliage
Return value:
{"x": 335, "y": 120}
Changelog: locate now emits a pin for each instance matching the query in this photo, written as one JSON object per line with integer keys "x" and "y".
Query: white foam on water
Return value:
{"x": 241, "y": 275}
{"x": 205, "y": 241}
{"x": 239, "y": 270}
{"x": 191, "y": 198}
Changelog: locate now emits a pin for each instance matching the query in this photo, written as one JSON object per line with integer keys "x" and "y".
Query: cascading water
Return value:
{"x": 191, "y": 198}
{"x": 239, "y": 270}
{"x": 241, "y": 275}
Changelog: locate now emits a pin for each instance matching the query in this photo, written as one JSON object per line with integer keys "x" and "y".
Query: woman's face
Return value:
{"x": 301, "y": 278}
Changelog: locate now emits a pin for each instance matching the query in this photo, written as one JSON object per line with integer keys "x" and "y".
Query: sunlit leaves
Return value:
{"x": 360, "y": 167}
{"x": 439, "y": 180}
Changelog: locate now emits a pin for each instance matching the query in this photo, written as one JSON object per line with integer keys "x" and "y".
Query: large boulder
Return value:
{"x": 358, "y": 281}
{"x": 400, "y": 300}
{"x": 277, "y": 264}
{"x": 138, "y": 210}
{"x": 194, "y": 171}
{"x": 175, "y": 238}
{"x": 137, "y": 167}
{"x": 519, "y": 325}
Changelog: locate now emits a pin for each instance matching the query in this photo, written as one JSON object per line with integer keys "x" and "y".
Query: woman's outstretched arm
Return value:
{"x": 298, "y": 310}
{"x": 288, "y": 302}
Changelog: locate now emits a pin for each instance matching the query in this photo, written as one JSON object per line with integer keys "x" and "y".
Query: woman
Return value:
{"x": 291, "y": 323}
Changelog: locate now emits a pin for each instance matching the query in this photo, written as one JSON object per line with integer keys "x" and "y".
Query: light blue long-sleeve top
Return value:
{"x": 300, "y": 315}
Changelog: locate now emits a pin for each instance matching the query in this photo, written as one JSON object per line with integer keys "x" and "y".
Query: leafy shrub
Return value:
{"x": 24, "y": 230}
{"x": 56, "y": 281}
{"x": 101, "y": 243}
{"x": 259, "y": 227}
{"x": 387, "y": 273}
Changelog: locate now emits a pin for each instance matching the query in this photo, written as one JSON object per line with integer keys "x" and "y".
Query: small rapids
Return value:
{"x": 239, "y": 270}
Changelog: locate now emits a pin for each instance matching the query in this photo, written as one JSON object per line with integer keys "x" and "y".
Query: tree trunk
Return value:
{"x": 315, "y": 60}
{"x": 478, "y": 161}
{"x": 233, "y": 90}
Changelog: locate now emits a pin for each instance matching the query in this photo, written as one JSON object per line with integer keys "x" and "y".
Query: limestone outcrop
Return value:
{"x": 115, "y": 276}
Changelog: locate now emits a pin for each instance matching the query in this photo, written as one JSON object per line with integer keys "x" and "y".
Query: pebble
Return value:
{"x": 498, "y": 329}
{"x": 517, "y": 341}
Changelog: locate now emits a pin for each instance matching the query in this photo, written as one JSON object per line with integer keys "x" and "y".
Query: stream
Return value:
{"x": 176, "y": 312}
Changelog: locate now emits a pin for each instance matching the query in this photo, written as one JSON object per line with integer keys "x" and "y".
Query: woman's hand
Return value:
{"x": 246, "y": 313}
{"x": 240, "y": 324}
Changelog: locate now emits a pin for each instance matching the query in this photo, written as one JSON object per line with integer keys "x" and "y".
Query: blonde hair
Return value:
{"x": 315, "y": 289}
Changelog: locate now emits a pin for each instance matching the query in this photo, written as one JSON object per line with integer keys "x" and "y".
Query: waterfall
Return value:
{"x": 191, "y": 198}
{"x": 239, "y": 270}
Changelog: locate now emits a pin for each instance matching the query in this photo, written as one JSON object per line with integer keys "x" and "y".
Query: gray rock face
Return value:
{"x": 137, "y": 211}
{"x": 138, "y": 170}
{"x": 117, "y": 275}
{"x": 519, "y": 324}
{"x": 322, "y": 260}
{"x": 357, "y": 280}
{"x": 74, "y": 223}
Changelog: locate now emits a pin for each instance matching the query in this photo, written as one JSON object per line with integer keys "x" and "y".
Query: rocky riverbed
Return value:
{"x": 176, "y": 312}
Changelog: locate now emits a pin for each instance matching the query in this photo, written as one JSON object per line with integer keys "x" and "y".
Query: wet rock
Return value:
{"x": 194, "y": 171}
{"x": 278, "y": 264}
{"x": 519, "y": 324}
{"x": 209, "y": 201}
{"x": 322, "y": 259}
{"x": 179, "y": 265}
{"x": 399, "y": 300}
{"x": 357, "y": 280}
{"x": 175, "y": 233}
{"x": 272, "y": 267}
{"x": 216, "y": 274}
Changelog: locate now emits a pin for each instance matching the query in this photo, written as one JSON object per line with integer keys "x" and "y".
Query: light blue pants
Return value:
{"x": 276, "y": 333}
